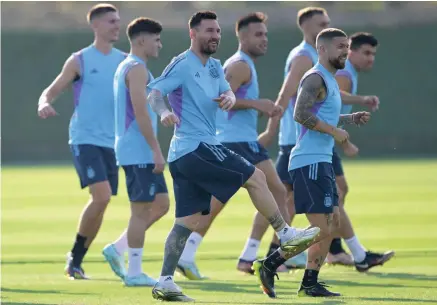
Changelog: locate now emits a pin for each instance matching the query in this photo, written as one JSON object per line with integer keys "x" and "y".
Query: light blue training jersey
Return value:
{"x": 287, "y": 127}
{"x": 92, "y": 121}
{"x": 313, "y": 146}
{"x": 191, "y": 87}
{"x": 130, "y": 145}
{"x": 240, "y": 125}
{"x": 350, "y": 72}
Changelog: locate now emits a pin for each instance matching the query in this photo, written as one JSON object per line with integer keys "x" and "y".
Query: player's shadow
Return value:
{"x": 397, "y": 300}
{"x": 15, "y": 303}
{"x": 271, "y": 302}
{"x": 102, "y": 261}
{"x": 358, "y": 283}
{"x": 15, "y": 290}
{"x": 229, "y": 287}
{"x": 404, "y": 276}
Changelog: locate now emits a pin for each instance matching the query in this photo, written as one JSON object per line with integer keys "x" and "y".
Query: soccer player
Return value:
{"x": 91, "y": 133}
{"x": 311, "y": 21}
{"x": 137, "y": 149}
{"x": 361, "y": 56}
{"x": 200, "y": 166}
{"x": 237, "y": 130}
{"x": 317, "y": 112}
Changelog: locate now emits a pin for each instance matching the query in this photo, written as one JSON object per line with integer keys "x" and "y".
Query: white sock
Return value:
{"x": 250, "y": 250}
{"x": 135, "y": 258}
{"x": 121, "y": 243}
{"x": 191, "y": 246}
{"x": 286, "y": 233}
{"x": 358, "y": 251}
{"x": 168, "y": 279}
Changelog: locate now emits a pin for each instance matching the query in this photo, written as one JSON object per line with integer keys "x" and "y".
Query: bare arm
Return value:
{"x": 69, "y": 72}
{"x": 346, "y": 119}
{"x": 137, "y": 79}
{"x": 344, "y": 83}
{"x": 312, "y": 86}
{"x": 349, "y": 99}
{"x": 299, "y": 66}
{"x": 238, "y": 74}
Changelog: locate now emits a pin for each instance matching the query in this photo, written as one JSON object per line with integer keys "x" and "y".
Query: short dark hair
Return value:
{"x": 362, "y": 38}
{"x": 308, "y": 12}
{"x": 329, "y": 34}
{"x": 143, "y": 25}
{"x": 197, "y": 18}
{"x": 100, "y": 9}
{"x": 244, "y": 21}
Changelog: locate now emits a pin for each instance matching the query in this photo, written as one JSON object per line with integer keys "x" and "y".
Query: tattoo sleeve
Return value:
{"x": 157, "y": 102}
{"x": 346, "y": 119}
{"x": 306, "y": 99}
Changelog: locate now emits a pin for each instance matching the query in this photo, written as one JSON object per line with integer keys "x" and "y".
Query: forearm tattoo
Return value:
{"x": 306, "y": 99}
{"x": 157, "y": 102}
{"x": 346, "y": 119}
{"x": 276, "y": 220}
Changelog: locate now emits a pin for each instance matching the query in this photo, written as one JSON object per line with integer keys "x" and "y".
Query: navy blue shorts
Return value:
{"x": 210, "y": 170}
{"x": 251, "y": 151}
{"x": 282, "y": 164}
{"x": 95, "y": 164}
{"x": 315, "y": 191}
{"x": 142, "y": 184}
{"x": 336, "y": 164}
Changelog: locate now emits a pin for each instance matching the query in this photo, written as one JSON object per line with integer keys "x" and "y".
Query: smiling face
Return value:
{"x": 207, "y": 36}
{"x": 254, "y": 39}
{"x": 337, "y": 52}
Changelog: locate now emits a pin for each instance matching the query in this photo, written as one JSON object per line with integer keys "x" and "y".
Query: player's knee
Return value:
{"x": 325, "y": 231}
{"x": 163, "y": 205}
{"x": 343, "y": 188}
{"x": 101, "y": 199}
{"x": 100, "y": 194}
{"x": 257, "y": 180}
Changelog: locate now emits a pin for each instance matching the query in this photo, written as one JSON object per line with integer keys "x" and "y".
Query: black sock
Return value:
{"x": 310, "y": 277}
{"x": 336, "y": 247}
{"x": 273, "y": 248}
{"x": 274, "y": 261}
{"x": 78, "y": 252}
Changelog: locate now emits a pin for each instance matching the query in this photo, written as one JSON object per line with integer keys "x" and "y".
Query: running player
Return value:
{"x": 317, "y": 112}
{"x": 311, "y": 21}
{"x": 200, "y": 166}
{"x": 91, "y": 133}
{"x": 137, "y": 150}
{"x": 360, "y": 58}
{"x": 237, "y": 130}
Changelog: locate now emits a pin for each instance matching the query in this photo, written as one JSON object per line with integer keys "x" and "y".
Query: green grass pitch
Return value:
{"x": 393, "y": 205}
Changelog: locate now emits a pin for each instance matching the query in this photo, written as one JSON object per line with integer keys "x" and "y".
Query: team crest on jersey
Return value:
{"x": 328, "y": 200}
{"x": 213, "y": 72}
{"x": 90, "y": 172}
{"x": 152, "y": 189}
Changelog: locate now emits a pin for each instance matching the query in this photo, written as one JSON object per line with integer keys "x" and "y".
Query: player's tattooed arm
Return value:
{"x": 357, "y": 118}
{"x": 346, "y": 119}
{"x": 306, "y": 99}
{"x": 157, "y": 102}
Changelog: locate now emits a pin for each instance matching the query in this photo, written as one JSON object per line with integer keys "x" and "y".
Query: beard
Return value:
{"x": 210, "y": 49}
{"x": 338, "y": 63}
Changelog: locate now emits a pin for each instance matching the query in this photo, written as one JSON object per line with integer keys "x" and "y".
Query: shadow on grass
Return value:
{"x": 31, "y": 291}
